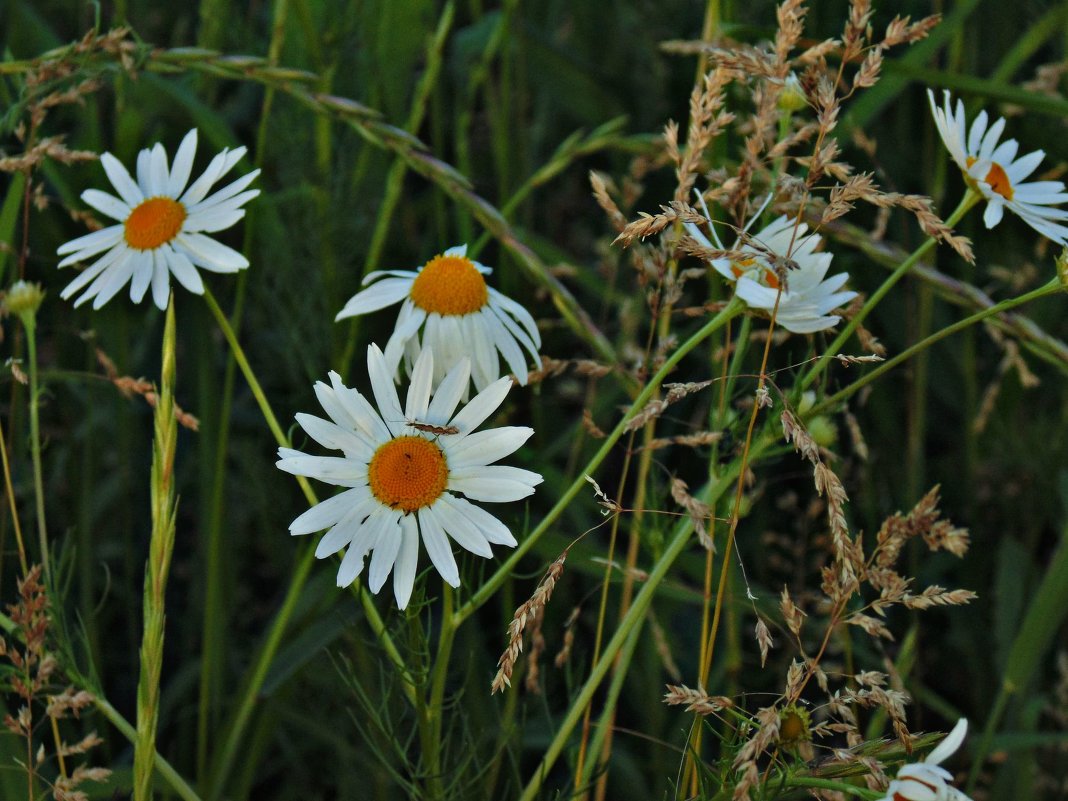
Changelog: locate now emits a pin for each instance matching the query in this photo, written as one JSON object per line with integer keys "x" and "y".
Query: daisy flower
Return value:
{"x": 926, "y": 781}
{"x": 459, "y": 315}
{"x": 992, "y": 168}
{"x": 162, "y": 226}
{"x": 805, "y": 303}
{"x": 406, "y": 470}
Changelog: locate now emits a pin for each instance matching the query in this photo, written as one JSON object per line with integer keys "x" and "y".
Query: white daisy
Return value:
{"x": 926, "y": 781}
{"x": 995, "y": 171}
{"x": 459, "y": 315}
{"x": 406, "y": 469}
{"x": 805, "y": 304}
{"x": 162, "y": 226}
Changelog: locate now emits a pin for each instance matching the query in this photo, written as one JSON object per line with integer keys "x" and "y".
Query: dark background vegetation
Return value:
{"x": 515, "y": 82}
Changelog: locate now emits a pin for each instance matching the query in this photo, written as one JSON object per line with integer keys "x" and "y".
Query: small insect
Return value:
{"x": 432, "y": 429}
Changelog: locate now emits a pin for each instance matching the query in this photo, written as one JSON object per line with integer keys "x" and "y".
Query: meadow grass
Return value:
{"x": 732, "y": 580}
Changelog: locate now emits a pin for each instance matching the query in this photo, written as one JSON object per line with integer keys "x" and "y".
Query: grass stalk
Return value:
{"x": 161, "y": 546}
{"x": 30, "y": 324}
{"x": 9, "y": 490}
{"x": 970, "y": 199}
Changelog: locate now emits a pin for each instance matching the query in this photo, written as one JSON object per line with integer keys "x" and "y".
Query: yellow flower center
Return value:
{"x": 408, "y": 473}
{"x": 997, "y": 179}
{"x": 449, "y": 285}
{"x": 153, "y": 223}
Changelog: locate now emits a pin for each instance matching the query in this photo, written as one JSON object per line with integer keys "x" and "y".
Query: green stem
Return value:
{"x": 163, "y": 767}
{"x": 434, "y": 709}
{"x": 30, "y": 324}
{"x": 636, "y": 613}
{"x": 215, "y": 610}
{"x": 1050, "y": 288}
{"x": 486, "y": 591}
{"x": 828, "y": 784}
{"x": 970, "y": 199}
{"x": 161, "y": 547}
{"x": 300, "y": 576}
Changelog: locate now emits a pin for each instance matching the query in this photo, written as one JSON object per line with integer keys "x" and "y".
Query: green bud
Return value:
{"x": 793, "y": 95}
{"x": 23, "y": 300}
{"x": 1062, "y": 269}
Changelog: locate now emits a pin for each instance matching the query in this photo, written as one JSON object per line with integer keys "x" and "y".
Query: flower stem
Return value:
{"x": 486, "y": 591}
{"x": 281, "y": 620}
{"x": 434, "y": 706}
{"x": 161, "y": 547}
{"x": 1050, "y": 288}
{"x": 970, "y": 199}
{"x": 35, "y": 444}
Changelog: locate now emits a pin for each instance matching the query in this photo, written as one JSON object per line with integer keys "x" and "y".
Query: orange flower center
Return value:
{"x": 449, "y": 285}
{"x": 997, "y": 179}
{"x": 408, "y": 473}
{"x": 154, "y": 222}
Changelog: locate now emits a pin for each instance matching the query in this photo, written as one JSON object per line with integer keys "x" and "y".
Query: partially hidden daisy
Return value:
{"x": 993, "y": 169}
{"x": 163, "y": 220}
{"x": 808, "y": 298}
{"x": 926, "y": 781}
{"x": 406, "y": 469}
{"x": 448, "y": 300}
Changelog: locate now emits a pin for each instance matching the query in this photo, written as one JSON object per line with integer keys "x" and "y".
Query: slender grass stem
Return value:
{"x": 258, "y": 674}
{"x": 161, "y": 547}
{"x": 486, "y": 591}
{"x": 30, "y": 325}
{"x": 830, "y": 402}
{"x": 970, "y": 199}
{"x": 435, "y": 704}
{"x": 9, "y": 489}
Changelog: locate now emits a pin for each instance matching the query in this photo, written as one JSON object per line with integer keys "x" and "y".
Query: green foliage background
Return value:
{"x": 515, "y": 82}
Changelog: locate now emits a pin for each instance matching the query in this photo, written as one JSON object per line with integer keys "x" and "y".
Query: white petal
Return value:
{"x": 384, "y": 391}
{"x": 437, "y": 547}
{"x": 332, "y": 469}
{"x": 114, "y": 256}
{"x": 461, "y": 529}
{"x": 107, "y": 204}
{"x": 85, "y": 247}
{"x": 491, "y": 490}
{"x": 415, "y": 406}
{"x": 367, "y": 537}
{"x": 385, "y": 553}
{"x": 486, "y": 447}
{"x": 161, "y": 280}
{"x": 157, "y": 171}
{"x": 344, "y": 531}
{"x": 142, "y": 276}
{"x": 407, "y": 561}
{"x": 210, "y": 222}
{"x": 364, "y": 418}
{"x": 112, "y": 280}
{"x": 482, "y": 406}
{"x": 949, "y": 745}
{"x": 448, "y": 393}
{"x": 121, "y": 180}
{"x": 326, "y": 513}
{"x": 994, "y": 211}
{"x": 183, "y": 165}
{"x": 210, "y": 254}
{"x": 225, "y": 196}
{"x": 492, "y": 529}
{"x": 331, "y": 435}
{"x": 143, "y": 166}
{"x": 408, "y": 322}
{"x": 184, "y": 270}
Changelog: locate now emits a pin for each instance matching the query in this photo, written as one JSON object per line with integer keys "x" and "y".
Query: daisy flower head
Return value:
{"x": 162, "y": 222}
{"x": 808, "y": 297}
{"x": 926, "y": 781}
{"x": 406, "y": 470}
{"x": 992, "y": 168}
{"x": 458, "y": 314}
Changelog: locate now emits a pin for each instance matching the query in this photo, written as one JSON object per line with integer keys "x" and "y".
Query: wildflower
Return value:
{"x": 162, "y": 226}
{"x": 404, "y": 469}
{"x": 807, "y": 299}
{"x": 925, "y": 781}
{"x": 993, "y": 169}
{"x": 448, "y": 299}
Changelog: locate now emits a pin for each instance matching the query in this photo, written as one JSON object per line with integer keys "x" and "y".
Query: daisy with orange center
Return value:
{"x": 804, "y": 305}
{"x": 926, "y": 780}
{"x": 406, "y": 470}
{"x": 992, "y": 168}
{"x": 447, "y": 307}
{"x": 162, "y": 226}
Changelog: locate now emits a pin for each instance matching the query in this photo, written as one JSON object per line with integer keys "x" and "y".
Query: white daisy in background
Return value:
{"x": 162, "y": 226}
{"x": 806, "y": 302}
{"x": 459, "y": 315}
{"x": 926, "y": 781}
{"x": 406, "y": 469}
{"x": 995, "y": 171}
